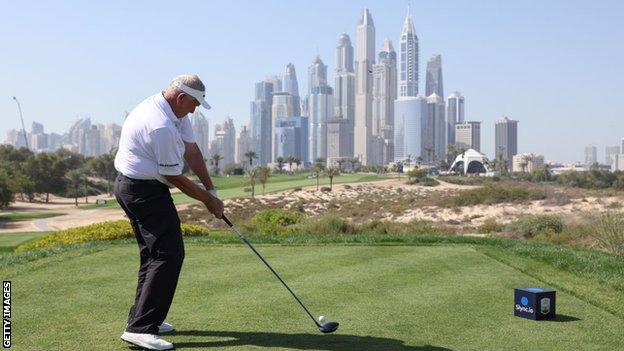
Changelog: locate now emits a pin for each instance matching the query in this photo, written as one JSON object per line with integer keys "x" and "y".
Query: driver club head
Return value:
{"x": 328, "y": 327}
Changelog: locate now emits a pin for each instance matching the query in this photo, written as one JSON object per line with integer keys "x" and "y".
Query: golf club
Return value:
{"x": 328, "y": 327}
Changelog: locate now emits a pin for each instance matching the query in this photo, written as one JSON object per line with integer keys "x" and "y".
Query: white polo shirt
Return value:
{"x": 151, "y": 143}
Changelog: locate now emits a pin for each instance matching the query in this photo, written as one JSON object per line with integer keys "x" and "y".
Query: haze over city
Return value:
{"x": 555, "y": 67}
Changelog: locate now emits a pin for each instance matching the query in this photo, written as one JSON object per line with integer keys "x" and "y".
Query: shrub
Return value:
{"x": 530, "y": 226}
{"x": 103, "y": 231}
{"x": 490, "y": 225}
{"x": 325, "y": 189}
{"x": 430, "y": 182}
{"x": 275, "y": 221}
{"x": 327, "y": 225}
{"x": 609, "y": 231}
{"x": 492, "y": 194}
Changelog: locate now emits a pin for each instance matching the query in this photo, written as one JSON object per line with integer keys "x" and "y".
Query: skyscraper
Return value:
{"x": 434, "y": 77}
{"x": 591, "y": 155}
{"x": 340, "y": 126}
{"x": 434, "y": 139}
{"x": 611, "y": 151}
{"x": 344, "y": 54}
{"x": 506, "y": 140}
{"x": 225, "y": 140}
{"x": 454, "y": 114}
{"x": 468, "y": 135}
{"x": 290, "y": 85}
{"x": 410, "y": 114}
{"x": 320, "y": 108}
{"x": 243, "y": 144}
{"x": 261, "y": 119}
{"x": 291, "y": 137}
{"x": 283, "y": 106}
{"x": 201, "y": 131}
{"x": 409, "y": 57}
{"x": 364, "y": 60}
{"x": 384, "y": 94}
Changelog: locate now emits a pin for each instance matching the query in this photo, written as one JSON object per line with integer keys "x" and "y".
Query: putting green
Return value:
{"x": 444, "y": 297}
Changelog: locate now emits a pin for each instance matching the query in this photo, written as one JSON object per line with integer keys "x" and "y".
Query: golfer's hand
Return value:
{"x": 215, "y": 206}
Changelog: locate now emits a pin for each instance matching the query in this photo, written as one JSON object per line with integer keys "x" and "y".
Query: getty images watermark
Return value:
{"x": 6, "y": 314}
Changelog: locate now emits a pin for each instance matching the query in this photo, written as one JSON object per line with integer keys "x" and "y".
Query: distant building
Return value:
{"x": 527, "y": 162}
{"x": 261, "y": 123}
{"x": 506, "y": 140}
{"x": 434, "y": 81}
{"x": 611, "y": 151}
{"x": 224, "y": 141}
{"x": 618, "y": 163}
{"x": 291, "y": 137}
{"x": 201, "y": 132}
{"x": 591, "y": 155}
{"x": 468, "y": 135}
{"x": 340, "y": 126}
{"x": 291, "y": 86}
{"x": 434, "y": 136}
{"x": 364, "y": 60}
{"x": 243, "y": 145}
{"x": 384, "y": 94}
{"x": 454, "y": 114}
{"x": 409, "y": 57}
{"x": 410, "y": 115}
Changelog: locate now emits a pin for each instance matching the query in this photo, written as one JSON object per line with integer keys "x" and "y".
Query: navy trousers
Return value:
{"x": 156, "y": 225}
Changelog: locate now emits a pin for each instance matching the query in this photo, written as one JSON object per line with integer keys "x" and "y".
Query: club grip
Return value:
{"x": 226, "y": 220}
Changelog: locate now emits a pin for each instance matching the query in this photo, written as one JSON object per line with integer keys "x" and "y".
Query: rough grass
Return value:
{"x": 380, "y": 294}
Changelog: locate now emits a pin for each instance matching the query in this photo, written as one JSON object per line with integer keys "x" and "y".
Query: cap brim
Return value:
{"x": 204, "y": 104}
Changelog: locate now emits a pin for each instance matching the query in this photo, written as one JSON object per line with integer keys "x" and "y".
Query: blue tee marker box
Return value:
{"x": 534, "y": 303}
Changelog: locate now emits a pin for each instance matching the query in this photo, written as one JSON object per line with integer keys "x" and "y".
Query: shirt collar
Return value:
{"x": 164, "y": 106}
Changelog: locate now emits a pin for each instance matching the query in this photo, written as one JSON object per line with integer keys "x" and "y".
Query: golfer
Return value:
{"x": 156, "y": 140}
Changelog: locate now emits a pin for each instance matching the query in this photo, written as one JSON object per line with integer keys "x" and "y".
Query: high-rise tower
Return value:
{"x": 454, "y": 114}
{"x": 320, "y": 109}
{"x": 434, "y": 77}
{"x": 364, "y": 60}
{"x": 290, "y": 85}
{"x": 384, "y": 94}
{"x": 340, "y": 126}
{"x": 409, "y": 59}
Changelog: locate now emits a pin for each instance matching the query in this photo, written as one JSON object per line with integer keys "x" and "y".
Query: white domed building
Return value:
{"x": 470, "y": 162}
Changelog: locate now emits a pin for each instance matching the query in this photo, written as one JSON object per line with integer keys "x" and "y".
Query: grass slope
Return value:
{"x": 442, "y": 297}
{"x": 9, "y": 241}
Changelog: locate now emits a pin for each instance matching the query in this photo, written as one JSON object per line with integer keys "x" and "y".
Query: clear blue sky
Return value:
{"x": 556, "y": 66}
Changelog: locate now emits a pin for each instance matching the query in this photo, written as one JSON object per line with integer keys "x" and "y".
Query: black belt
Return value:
{"x": 142, "y": 181}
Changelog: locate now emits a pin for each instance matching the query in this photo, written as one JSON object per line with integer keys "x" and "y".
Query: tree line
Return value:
{"x": 32, "y": 176}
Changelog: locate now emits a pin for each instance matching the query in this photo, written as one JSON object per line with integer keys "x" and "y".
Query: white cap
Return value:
{"x": 199, "y": 95}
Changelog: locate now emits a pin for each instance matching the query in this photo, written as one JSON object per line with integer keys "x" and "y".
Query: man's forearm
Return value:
{"x": 189, "y": 187}
{"x": 195, "y": 161}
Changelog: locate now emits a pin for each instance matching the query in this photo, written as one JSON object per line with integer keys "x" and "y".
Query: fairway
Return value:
{"x": 443, "y": 297}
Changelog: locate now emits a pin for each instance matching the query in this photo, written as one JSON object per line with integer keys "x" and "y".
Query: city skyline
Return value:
{"x": 523, "y": 74}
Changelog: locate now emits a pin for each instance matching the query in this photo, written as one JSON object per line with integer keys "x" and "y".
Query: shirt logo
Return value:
{"x": 168, "y": 165}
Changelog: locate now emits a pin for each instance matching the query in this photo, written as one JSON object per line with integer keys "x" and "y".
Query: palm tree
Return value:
{"x": 331, "y": 173}
{"x": 429, "y": 150}
{"x": 297, "y": 162}
{"x": 354, "y": 161}
{"x": 263, "y": 176}
{"x": 318, "y": 169}
{"x": 280, "y": 164}
{"x": 86, "y": 173}
{"x": 290, "y": 159}
{"x": 320, "y": 161}
{"x": 419, "y": 160}
{"x": 250, "y": 154}
{"x": 408, "y": 160}
{"x": 252, "y": 176}
{"x": 340, "y": 161}
{"x": 214, "y": 159}
{"x": 399, "y": 168}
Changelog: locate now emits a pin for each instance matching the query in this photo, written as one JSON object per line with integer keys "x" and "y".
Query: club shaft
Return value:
{"x": 241, "y": 237}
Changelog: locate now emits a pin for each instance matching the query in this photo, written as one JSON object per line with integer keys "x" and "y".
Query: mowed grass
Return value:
{"x": 233, "y": 186}
{"x": 442, "y": 297}
{"x": 9, "y": 241}
{"x": 26, "y": 216}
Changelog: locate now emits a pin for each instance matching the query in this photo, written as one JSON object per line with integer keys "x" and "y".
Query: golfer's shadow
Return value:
{"x": 334, "y": 342}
